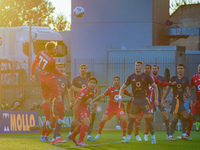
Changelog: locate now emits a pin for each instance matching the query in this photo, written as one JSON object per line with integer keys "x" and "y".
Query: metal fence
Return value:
{"x": 103, "y": 69}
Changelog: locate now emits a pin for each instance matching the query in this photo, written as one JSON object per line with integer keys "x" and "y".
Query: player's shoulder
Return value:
{"x": 195, "y": 76}
{"x": 186, "y": 78}
{"x": 110, "y": 88}
{"x": 174, "y": 77}
{"x": 76, "y": 78}
{"x": 131, "y": 75}
{"x": 161, "y": 77}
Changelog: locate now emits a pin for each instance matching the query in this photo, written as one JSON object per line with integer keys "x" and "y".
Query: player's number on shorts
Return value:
{"x": 147, "y": 107}
{"x": 42, "y": 59}
{"x": 121, "y": 112}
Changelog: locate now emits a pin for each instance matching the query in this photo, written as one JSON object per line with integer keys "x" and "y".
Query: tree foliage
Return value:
{"x": 175, "y": 4}
{"x": 19, "y": 12}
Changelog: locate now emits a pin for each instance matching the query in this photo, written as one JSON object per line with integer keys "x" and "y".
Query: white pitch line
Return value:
{"x": 86, "y": 146}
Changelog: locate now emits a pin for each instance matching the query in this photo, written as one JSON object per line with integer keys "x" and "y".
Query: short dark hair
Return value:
{"x": 59, "y": 63}
{"x": 181, "y": 65}
{"x": 50, "y": 45}
{"x": 116, "y": 77}
{"x": 156, "y": 66}
{"x": 83, "y": 65}
{"x": 148, "y": 65}
{"x": 139, "y": 62}
{"x": 92, "y": 78}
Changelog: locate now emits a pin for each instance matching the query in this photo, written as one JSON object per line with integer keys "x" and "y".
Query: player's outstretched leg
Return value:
{"x": 60, "y": 110}
{"x": 58, "y": 136}
{"x": 146, "y": 133}
{"x": 75, "y": 133}
{"x": 101, "y": 125}
{"x": 89, "y": 138}
{"x": 83, "y": 131}
{"x": 151, "y": 129}
{"x": 184, "y": 126}
{"x": 73, "y": 127}
{"x": 130, "y": 129}
{"x": 171, "y": 131}
{"x": 43, "y": 137}
{"x": 137, "y": 126}
{"x": 124, "y": 128}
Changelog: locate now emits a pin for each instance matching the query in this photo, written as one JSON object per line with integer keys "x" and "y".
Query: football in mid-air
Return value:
{"x": 79, "y": 11}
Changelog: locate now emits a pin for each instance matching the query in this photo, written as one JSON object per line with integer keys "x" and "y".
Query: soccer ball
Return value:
{"x": 79, "y": 11}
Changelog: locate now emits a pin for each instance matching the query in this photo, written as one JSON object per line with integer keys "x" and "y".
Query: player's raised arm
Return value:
{"x": 122, "y": 89}
{"x": 75, "y": 89}
{"x": 190, "y": 95}
{"x": 166, "y": 92}
{"x": 77, "y": 103}
{"x": 155, "y": 88}
{"x": 98, "y": 98}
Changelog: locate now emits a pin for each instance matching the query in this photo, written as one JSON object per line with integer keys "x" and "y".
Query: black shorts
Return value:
{"x": 141, "y": 103}
{"x": 177, "y": 106}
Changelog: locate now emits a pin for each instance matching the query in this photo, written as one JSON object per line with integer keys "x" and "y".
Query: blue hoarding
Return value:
{"x": 18, "y": 121}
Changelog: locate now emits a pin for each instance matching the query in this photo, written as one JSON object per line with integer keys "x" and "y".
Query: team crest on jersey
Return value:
{"x": 142, "y": 79}
{"x": 138, "y": 84}
{"x": 83, "y": 86}
{"x": 178, "y": 86}
{"x": 62, "y": 85}
{"x": 198, "y": 87}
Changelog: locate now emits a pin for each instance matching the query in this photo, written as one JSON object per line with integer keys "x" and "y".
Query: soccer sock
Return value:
{"x": 124, "y": 127}
{"x": 90, "y": 129}
{"x": 101, "y": 125}
{"x": 48, "y": 131}
{"x": 60, "y": 109}
{"x": 189, "y": 126}
{"x": 172, "y": 128}
{"x": 58, "y": 126}
{"x": 55, "y": 131}
{"x": 197, "y": 126}
{"x": 184, "y": 124}
{"x": 77, "y": 130}
{"x": 83, "y": 131}
{"x": 44, "y": 129}
{"x": 147, "y": 129}
{"x": 47, "y": 110}
{"x": 130, "y": 125}
{"x": 137, "y": 126}
{"x": 73, "y": 126}
{"x": 167, "y": 126}
{"x": 150, "y": 124}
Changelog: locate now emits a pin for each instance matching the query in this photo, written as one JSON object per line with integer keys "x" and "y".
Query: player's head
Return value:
{"x": 139, "y": 66}
{"x": 116, "y": 80}
{"x": 83, "y": 69}
{"x": 155, "y": 69}
{"x": 199, "y": 68}
{"x": 51, "y": 47}
{"x": 60, "y": 66}
{"x": 147, "y": 69}
{"x": 92, "y": 82}
{"x": 181, "y": 69}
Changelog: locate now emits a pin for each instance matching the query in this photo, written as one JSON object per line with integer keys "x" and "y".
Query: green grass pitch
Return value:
{"x": 109, "y": 140}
